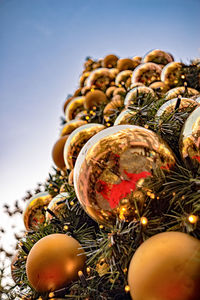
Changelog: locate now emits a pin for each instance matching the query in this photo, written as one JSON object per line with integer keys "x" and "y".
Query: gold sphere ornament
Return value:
{"x": 181, "y": 91}
{"x": 74, "y": 107}
{"x": 166, "y": 267}
{"x": 100, "y": 78}
{"x": 70, "y": 178}
{"x": 94, "y": 98}
{"x": 158, "y": 56}
{"x": 57, "y": 152}
{"x": 116, "y": 104}
{"x": 172, "y": 74}
{"x": 34, "y": 213}
{"x": 54, "y": 261}
{"x": 124, "y": 117}
{"x": 67, "y": 100}
{"x": 77, "y": 140}
{"x": 109, "y": 91}
{"x": 124, "y": 78}
{"x": 127, "y": 64}
{"x": 57, "y": 206}
{"x": 83, "y": 78}
{"x": 77, "y": 92}
{"x": 159, "y": 87}
{"x": 136, "y": 95}
{"x": 110, "y": 61}
{"x": 114, "y": 72}
{"x": 111, "y": 170}
{"x": 146, "y": 73}
{"x": 70, "y": 126}
{"x": 190, "y": 140}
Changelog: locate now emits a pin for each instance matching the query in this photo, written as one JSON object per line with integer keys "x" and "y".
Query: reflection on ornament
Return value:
{"x": 182, "y": 91}
{"x": 53, "y": 262}
{"x": 112, "y": 168}
{"x": 158, "y": 56}
{"x": 171, "y": 74}
{"x": 100, "y": 78}
{"x": 77, "y": 140}
{"x": 34, "y": 213}
{"x": 137, "y": 94}
{"x": 74, "y": 106}
{"x": 57, "y": 205}
{"x": 124, "y": 78}
{"x": 166, "y": 267}
{"x": 146, "y": 73}
{"x": 190, "y": 140}
{"x": 70, "y": 126}
{"x": 124, "y": 117}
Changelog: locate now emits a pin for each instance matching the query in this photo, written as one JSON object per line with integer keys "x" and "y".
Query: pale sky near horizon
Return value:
{"x": 43, "y": 45}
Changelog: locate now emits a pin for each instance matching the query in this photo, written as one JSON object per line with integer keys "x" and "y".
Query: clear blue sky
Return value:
{"x": 43, "y": 46}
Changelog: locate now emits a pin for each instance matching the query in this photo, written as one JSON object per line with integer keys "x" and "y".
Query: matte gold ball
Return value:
{"x": 166, "y": 267}
{"x": 53, "y": 262}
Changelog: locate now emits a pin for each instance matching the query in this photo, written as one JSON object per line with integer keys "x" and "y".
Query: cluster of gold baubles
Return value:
{"x": 110, "y": 170}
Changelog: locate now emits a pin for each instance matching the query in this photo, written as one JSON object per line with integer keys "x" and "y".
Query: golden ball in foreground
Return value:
{"x": 166, "y": 267}
{"x": 53, "y": 262}
{"x": 57, "y": 152}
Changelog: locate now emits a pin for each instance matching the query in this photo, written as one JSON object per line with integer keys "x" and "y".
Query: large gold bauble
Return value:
{"x": 34, "y": 213}
{"x": 146, "y": 73}
{"x": 158, "y": 56}
{"x": 110, "y": 61}
{"x": 53, "y": 262}
{"x": 74, "y": 107}
{"x": 137, "y": 94}
{"x": 94, "y": 98}
{"x": 190, "y": 140}
{"x": 100, "y": 79}
{"x": 181, "y": 91}
{"x": 112, "y": 167}
{"x": 77, "y": 140}
{"x": 57, "y": 205}
{"x": 171, "y": 74}
{"x": 166, "y": 267}
{"x": 71, "y": 126}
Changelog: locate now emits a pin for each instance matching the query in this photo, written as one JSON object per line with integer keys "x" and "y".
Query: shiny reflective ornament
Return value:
{"x": 74, "y": 107}
{"x": 53, "y": 262}
{"x": 57, "y": 206}
{"x": 182, "y": 91}
{"x": 67, "y": 100}
{"x": 159, "y": 87}
{"x": 136, "y": 84}
{"x": 94, "y": 98}
{"x": 77, "y": 140}
{"x": 34, "y": 213}
{"x": 146, "y": 73}
{"x": 114, "y": 106}
{"x": 124, "y": 78}
{"x": 109, "y": 91}
{"x": 83, "y": 78}
{"x": 57, "y": 152}
{"x": 119, "y": 91}
{"x": 172, "y": 74}
{"x": 137, "y": 58}
{"x": 85, "y": 90}
{"x": 100, "y": 78}
{"x": 114, "y": 72}
{"x": 112, "y": 168}
{"x": 136, "y": 95}
{"x": 169, "y": 107}
{"x": 166, "y": 267}
{"x": 158, "y": 56}
{"x": 127, "y": 64}
{"x": 190, "y": 140}
{"x": 70, "y": 126}
{"x": 70, "y": 178}
{"x": 110, "y": 61}
{"x": 124, "y": 117}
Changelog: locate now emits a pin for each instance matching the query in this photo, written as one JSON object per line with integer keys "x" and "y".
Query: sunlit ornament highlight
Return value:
{"x": 190, "y": 140}
{"x": 112, "y": 168}
{"x": 57, "y": 205}
{"x": 158, "y": 56}
{"x": 77, "y": 140}
{"x": 171, "y": 74}
{"x": 193, "y": 219}
{"x": 74, "y": 107}
{"x": 136, "y": 95}
{"x": 146, "y": 73}
{"x": 34, "y": 213}
{"x": 181, "y": 91}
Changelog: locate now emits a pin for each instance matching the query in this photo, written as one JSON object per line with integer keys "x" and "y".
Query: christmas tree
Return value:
{"x": 118, "y": 217}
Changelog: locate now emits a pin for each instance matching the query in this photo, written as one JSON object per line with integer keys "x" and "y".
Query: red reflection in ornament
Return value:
{"x": 197, "y": 157}
{"x": 113, "y": 193}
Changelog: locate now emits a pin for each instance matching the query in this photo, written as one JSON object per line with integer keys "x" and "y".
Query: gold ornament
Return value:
{"x": 110, "y": 61}
{"x": 110, "y": 90}
{"x": 57, "y": 205}
{"x": 34, "y": 213}
{"x": 190, "y": 140}
{"x": 166, "y": 267}
{"x": 138, "y": 93}
{"x": 77, "y": 92}
{"x": 181, "y": 91}
{"x": 159, "y": 87}
{"x": 100, "y": 79}
{"x": 158, "y": 56}
{"x": 70, "y": 126}
{"x": 172, "y": 73}
{"x": 112, "y": 168}
{"x": 77, "y": 140}
{"x": 114, "y": 72}
{"x": 74, "y": 107}
{"x": 136, "y": 84}
{"x": 70, "y": 178}
{"x": 67, "y": 100}
{"x": 57, "y": 152}
{"x": 127, "y": 64}
{"x": 124, "y": 78}
{"x": 94, "y": 98}
{"x": 53, "y": 262}
{"x": 116, "y": 103}
{"x": 146, "y": 73}
{"x": 83, "y": 78}
{"x": 124, "y": 117}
